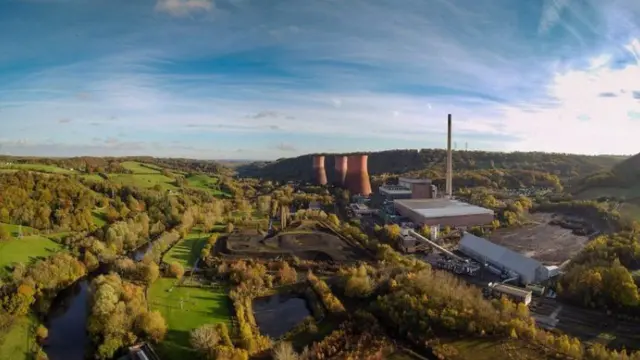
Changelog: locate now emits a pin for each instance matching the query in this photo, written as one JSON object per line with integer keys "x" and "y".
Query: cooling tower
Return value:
{"x": 319, "y": 172}
{"x": 341, "y": 170}
{"x": 357, "y": 180}
{"x": 449, "y": 180}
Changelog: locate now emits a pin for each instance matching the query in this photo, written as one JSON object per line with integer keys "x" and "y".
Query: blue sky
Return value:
{"x": 263, "y": 79}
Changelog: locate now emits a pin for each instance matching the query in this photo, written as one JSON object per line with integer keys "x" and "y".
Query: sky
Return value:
{"x": 265, "y": 79}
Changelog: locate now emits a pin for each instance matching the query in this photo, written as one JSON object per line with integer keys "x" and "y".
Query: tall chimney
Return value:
{"x": 449, "y": 180}
{"x": 319, "y": 172}
{"x": 358, "y": 175}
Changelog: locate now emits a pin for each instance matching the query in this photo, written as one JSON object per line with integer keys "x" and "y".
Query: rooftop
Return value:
{"x": 442, "y": 207}
{"x": 394, "y": 189}
{"x": 414, "y": 181}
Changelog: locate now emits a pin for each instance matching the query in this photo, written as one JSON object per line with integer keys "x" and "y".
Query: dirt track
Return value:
{"x": 550, "y": 244}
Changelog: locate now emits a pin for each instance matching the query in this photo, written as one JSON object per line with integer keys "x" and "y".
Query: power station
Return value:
{"x": 351, "y": 172}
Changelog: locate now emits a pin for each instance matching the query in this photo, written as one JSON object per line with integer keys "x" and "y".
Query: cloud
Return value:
{"x": 64, "y": 121}
{"x": 184, "y": 7}
{"x": 286, "y": 147}
{"x": 316, "y": 73}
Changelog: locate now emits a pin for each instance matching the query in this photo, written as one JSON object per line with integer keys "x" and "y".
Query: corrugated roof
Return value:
{"x": 524, "y": 266}
{"x": 431, "y": 208}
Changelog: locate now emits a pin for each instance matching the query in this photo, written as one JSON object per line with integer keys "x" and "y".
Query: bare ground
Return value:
{"x": 550, "y": 244}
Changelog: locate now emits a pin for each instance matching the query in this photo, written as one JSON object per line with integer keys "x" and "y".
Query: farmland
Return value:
{"x": 208, "y": 183}
{"x": 141, "y": 168}
{"x": 200, "y": 305}
{"x": 38, "y": 167}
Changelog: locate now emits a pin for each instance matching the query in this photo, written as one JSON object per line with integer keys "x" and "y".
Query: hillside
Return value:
{"x": 404, "y": 161}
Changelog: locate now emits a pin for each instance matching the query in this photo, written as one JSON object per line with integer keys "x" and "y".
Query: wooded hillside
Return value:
{"x": 404, "y": 161}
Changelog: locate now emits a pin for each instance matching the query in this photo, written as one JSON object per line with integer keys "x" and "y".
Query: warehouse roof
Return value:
{"x": 499, "y": 255}
{"x": 442, "y": 207}
{"x": 394, "y": 189}
{"x": 414, "y": 181}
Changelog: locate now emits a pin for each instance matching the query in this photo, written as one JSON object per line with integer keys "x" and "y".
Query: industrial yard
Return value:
{"x": 307, "y": 240}
{"x": 550, "y": 244}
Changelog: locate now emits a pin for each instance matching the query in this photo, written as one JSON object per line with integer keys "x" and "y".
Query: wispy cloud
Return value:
{"x": 184, "y": 7}
{"x": 315, "y": 75}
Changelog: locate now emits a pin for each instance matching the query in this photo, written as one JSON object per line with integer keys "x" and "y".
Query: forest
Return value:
{"x": 406, "y": 161}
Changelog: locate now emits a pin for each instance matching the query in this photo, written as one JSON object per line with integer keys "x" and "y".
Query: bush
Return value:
{"x": 176, "y": 270}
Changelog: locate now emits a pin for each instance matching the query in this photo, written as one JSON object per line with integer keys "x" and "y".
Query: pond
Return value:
{"x": 279, "y": 313}
{"x": 67, "y": 322}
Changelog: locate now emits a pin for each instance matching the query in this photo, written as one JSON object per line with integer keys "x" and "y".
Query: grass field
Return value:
{"x": 207, "y": 183}
{"x": 16, "y": 343}
{"x": 200, "y": 306}
{"x": 99, "y": 218}
{"x": 92, "y": 177}
{"x": 140, "y": 168}
{"x": 24, "y": 250}
{"x": 39, "y": 167}
{"x": 187, "y": 251}
{"x": 143, "y": 181}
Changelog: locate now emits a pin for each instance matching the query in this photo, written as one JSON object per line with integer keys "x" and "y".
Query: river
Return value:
{"x": 67, "y": 322}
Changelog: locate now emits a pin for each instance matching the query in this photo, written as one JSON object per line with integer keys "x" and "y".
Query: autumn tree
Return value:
{"x": 176, "y": 270}
{"x": 152, "y": 325}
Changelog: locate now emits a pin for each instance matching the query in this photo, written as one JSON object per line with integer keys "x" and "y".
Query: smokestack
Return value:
{"x": 341, "y": 170}
{"x": 449, "y": 180}
{"x": 319, "y": 172}
{"x": 357, "y": 179}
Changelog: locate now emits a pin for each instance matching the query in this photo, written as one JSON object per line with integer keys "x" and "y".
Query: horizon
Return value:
{"x": 307, "y": 154}
{"x": 230, "y": 79}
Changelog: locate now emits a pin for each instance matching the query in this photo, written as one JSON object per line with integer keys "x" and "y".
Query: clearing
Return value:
{"x": 39, "y": 167}
{"x": 200, "y": 305}
{"x": 24, "y": 250}
{"x": 208, "y": 183}
{"x": 550, "y": 244}
{"x": 187, "y": 251}
{"x": 16, "y": 343}
{"x": 141, "y": 168}
{"x": 145, "y": 181}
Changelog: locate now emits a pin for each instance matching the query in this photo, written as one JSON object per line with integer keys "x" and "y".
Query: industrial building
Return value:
{"x": 528, "y": 270}
{"x": 443, "y": 212}
{"x": 408, "y": 188}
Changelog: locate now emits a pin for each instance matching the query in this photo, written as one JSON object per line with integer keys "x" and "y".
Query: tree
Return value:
{"x": 229, "y": 228}
{"x": 4, "y": 233}
{"x": 284, "y": 351}
{"x": 153, "y": 325}
{"x": 333, "y": 219}
{"x": 149, "y": 272}
{"x": 176, "y": 270}
{"x": 204, "y": 340}
{"x": 41, "y": 333}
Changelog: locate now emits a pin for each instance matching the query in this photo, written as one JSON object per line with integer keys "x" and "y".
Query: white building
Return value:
{"x": 529, "y": 270}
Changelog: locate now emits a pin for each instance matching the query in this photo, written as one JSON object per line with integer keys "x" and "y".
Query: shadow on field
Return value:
{"x": 176, "y": 346}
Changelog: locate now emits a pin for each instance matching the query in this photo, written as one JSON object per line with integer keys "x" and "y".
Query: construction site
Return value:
{"x": 306, "y": 240}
